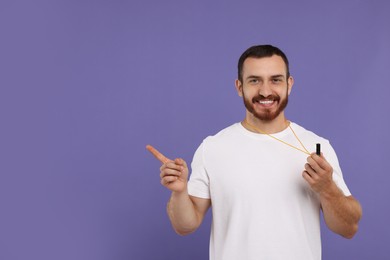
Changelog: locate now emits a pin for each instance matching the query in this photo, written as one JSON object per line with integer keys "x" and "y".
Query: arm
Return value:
{"x": 185, "y": 212}
{"x": 341, "y": 213}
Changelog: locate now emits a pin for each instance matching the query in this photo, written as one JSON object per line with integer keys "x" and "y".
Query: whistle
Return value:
{"x": 318, "y": 149}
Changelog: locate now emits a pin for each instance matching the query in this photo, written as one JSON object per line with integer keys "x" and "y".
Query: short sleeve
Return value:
{"x": 337, "y": 173}
{"x": 198, "y": 185}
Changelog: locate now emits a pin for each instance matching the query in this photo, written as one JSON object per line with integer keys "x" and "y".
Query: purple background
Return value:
{"x": 85, "y": 85}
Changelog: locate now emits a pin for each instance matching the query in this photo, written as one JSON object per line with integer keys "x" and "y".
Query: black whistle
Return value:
{"x": 318, "y": 149}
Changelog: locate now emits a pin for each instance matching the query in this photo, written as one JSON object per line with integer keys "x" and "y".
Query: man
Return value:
{"x": 265, "y": 189}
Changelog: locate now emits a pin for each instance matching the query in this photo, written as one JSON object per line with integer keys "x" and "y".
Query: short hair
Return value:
{"x": 261, "y": 51}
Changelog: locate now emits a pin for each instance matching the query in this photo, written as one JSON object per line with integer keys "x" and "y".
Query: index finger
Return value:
{"x": 321, "y": 161}
{"x": 157, "y": 154}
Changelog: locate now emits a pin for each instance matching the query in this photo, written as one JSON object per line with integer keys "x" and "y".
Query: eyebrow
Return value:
{"x": 253, "y": 77}
{"x": 278, "y": 76}
{"x": 272, "y": 77}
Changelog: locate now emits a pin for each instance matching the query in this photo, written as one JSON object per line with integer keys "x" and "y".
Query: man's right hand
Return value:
{"x": 185, "y": 212}
{"x": 173, "y": 173}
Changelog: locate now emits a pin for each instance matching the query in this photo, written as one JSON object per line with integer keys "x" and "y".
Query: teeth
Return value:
{"x": 266, "y": 102}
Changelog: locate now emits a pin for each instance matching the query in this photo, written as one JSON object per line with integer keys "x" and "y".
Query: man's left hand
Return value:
{"x": 318, "y": 173}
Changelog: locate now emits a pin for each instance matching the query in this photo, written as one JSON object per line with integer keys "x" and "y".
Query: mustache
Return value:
{"x": 269, "y": 97}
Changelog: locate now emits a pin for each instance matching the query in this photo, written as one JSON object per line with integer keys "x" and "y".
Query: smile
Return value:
{"x": 266, "y": 102}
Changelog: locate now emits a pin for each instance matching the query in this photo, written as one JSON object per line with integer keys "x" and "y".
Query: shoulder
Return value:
{"x": 225, "y": 133}
{"x": 307, "y": 134}
{"x": 311, "y": 139}
{"x": 224, "y": 138}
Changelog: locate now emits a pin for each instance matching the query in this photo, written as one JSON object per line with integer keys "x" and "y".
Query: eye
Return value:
{"x": 253, "y": 81}
{"x": 277, "y": 80}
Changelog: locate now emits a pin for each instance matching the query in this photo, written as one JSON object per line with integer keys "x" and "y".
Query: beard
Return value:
{"x": 266, "y": 115}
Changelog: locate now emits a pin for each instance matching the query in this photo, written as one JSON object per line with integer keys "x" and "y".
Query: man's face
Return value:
{"x": 265, "y": 87}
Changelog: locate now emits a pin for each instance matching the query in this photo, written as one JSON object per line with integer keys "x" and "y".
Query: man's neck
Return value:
{"x": 270, "y": 127}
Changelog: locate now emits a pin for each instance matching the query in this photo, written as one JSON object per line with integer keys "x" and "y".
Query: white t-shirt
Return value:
{"x": 262, "y": 207}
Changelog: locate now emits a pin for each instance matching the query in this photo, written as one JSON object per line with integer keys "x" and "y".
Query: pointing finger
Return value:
{"x": 157, "y": 154}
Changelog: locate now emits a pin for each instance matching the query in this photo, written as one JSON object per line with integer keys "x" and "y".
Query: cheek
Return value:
{"x": 249, "y": 92}
{"x": 284, "y": 93}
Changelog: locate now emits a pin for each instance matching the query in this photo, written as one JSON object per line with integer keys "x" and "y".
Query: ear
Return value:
{"x": 290, "y": 82}
{"x": 238, "y": 87}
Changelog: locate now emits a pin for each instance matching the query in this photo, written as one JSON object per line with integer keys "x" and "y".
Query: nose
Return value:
{"x": 265, "y": 90}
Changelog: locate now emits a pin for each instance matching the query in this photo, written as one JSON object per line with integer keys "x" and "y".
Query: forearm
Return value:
{"x": 182, "y": 213}
{"x": 341, "y": 213}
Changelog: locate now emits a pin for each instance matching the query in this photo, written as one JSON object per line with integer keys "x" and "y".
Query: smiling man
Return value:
{"x": 266, "y": 189}
{"x": 266, "y": 92}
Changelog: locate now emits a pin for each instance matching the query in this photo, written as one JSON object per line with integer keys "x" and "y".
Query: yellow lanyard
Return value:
{"x": 289, "y": 125}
